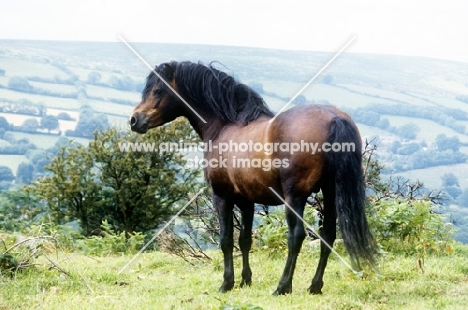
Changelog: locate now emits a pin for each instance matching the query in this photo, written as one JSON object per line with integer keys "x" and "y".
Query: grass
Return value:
{"x": 159, "y": 281}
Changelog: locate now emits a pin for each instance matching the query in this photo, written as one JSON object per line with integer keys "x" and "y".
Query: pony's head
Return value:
{"x": 159, "y": 104}
{"x": 185, "y": 89}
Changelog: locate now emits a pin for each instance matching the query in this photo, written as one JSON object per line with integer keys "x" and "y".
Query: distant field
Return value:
{"x": 448, "y": 102}
{"x": 18, "y": 67}
{"x": 3, "y": 80}
{"x": 48, "y": 101}
{"x": 111, "y": 93}
{"x": 105, "y": 73}
{"x": 13, "y": 161}
{"x": 18, "y": 119}
{"x": 119, "y": 121}
{"x": 82, "y": 73}
{"x": 337, "y": 96}
{"x": 388, "y": 94}
{"x": 369, "y": 132}
{"x": 44, "y": 141}
{"x": 58, "y": 88}
{"x": 110, "y": 108}
{"x": 431, "y": 177}
{"x": 429, "y": 130}
{"x": 73, "y": 114}
{"x": 4, "y": 143}
{"x": 340, "y": 97}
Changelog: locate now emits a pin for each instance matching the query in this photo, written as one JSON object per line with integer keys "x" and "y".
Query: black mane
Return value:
{"x": 212, "y": 91}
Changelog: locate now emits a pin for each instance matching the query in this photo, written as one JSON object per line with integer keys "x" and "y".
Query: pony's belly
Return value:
{"x": 250, "y": 183}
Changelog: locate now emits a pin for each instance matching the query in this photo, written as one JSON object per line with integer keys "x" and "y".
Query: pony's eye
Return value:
{"x": 158, "y": 92}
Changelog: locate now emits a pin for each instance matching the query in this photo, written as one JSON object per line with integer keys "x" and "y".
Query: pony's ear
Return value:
{"x": 169, "y": 72}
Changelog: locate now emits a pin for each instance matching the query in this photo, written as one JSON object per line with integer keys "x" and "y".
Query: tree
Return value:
{"x": 18, "y": 209}
{"x": 408, "y": 131}
{"x": 19, "y": 83}
{"x": 134, "y": 191}
{"x": 453, "y": 191}
{"x": 64, "y": 116}
{"x": 39, "y": 160}
{"x": 445, "y": 143}
{"x": 24, "y": 173}
{"x": 89, "y": 122}
{"x": 4, "y": 123}
{"x": 258, "y": 87}
{"x": 49, "y": 122}
{"x": 122, "y": 83}
{"x": 30, "y": 125}
{"x": 462, "y": 200}
{"x": 449, "y": 179}
{"x": 328, "y": 79}
{"x": 408, "y": 149}
{"x": 6, "y": 174}
{"x": 384, "y": 123}
{"x": 94, "y": 77}
{"x": 300, "y": 100}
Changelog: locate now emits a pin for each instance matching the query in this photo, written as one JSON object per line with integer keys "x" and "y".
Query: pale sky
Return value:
{"x": 437, "y": 29}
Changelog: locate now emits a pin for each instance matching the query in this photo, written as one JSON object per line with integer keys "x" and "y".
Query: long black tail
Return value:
{"x": 350, "y": 200}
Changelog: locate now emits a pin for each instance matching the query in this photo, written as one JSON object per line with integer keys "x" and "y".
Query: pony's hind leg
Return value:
{"x": 224, "y": 209}
{"x": 296, "y": 236}
{"x": 245, "y": 241}
{"x": 328, "y": 233}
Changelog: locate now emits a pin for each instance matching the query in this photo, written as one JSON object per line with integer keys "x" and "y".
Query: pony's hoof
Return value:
{"x": 316, "y": 288}
{"x": 283, "y": 290}
{"x": 225, "y": 287}
{"x": 245, "y": 283}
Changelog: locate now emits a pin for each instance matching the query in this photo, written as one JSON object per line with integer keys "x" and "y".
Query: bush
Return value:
{"x": 19, "y": 83}
{"x": 410, "y": 227}
{"x": 65, "y": 116}
{"x": 272, "y": 231}
{"x": 6, "y": 174}
{"x": 110, "y": 242}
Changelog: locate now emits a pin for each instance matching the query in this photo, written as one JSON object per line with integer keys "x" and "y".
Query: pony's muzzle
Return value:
{"x": 133, "y": 121}
{"x": 137, "y": 125}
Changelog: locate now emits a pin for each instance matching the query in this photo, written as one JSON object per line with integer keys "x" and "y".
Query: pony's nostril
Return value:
{"x": 133, "y": 121}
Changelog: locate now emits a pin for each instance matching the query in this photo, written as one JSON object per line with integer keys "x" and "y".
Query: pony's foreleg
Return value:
{"x": 296, "y": 236}
{"x": 245, "y": 241}
{"x": 224, "y": 210}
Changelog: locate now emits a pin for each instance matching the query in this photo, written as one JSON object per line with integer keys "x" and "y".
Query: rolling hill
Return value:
{"x": 384, "y": 93}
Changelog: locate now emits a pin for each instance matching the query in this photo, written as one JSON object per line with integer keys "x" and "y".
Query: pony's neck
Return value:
{"x": 206, "y": 131}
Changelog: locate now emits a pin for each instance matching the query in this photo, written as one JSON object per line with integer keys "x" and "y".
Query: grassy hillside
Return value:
{"x": 159, "y": 281}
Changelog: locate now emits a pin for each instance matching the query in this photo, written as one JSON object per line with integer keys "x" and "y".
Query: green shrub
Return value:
{"x": 111, "y": 242}
{"x": 410, "y": 226}
{"x": 272, "y": 231}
